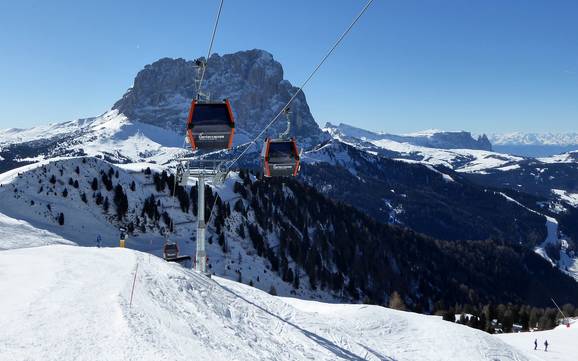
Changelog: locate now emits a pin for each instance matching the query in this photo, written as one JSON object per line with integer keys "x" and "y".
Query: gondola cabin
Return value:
{"x": 210, "y": 125}
{"x": 171, "y": 251}
{"x": 280, "y": 158}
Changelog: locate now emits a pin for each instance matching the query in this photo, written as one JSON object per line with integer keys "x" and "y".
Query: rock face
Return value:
{"x": 252, "y": 81}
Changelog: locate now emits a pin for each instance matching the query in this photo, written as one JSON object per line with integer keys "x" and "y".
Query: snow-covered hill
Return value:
{"x": 33, "y": 198}
{"x": 16, "y": 233}
{"x": 111, "y": 136}
{"x": 76, "y": 306}
{"x": 562, "y": 343}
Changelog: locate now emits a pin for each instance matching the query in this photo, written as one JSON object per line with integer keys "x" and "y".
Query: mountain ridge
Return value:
{"x": 431, "y": 138}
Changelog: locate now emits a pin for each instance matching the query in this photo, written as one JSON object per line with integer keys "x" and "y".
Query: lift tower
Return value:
{"x": 202, "y": 170}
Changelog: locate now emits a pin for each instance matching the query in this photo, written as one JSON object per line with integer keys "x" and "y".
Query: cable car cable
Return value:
{"x": 210, "y": 48}
{"x": 337, "y": 42}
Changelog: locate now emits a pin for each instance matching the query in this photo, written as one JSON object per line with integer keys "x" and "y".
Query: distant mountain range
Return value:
{"x": 430, "y": 138}
{"x": 534, "y": 144}
{"x": 521, "y": 138}
{"x": 515, "y": 143}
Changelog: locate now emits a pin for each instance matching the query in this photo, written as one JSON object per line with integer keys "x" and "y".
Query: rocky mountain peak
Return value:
{"x": 252, "y": 80}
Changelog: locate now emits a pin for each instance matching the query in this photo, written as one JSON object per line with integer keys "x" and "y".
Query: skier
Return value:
{"x": 98, "y": 241}
{"x": 546, "y": 345}
{"x": 535, "y": 344}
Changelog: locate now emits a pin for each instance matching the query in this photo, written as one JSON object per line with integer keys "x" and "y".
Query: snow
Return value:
{"x": 17, "y": 233}
{"x": 521, "y": 138}
{"x": 570, "y": 198}
{"x": 551, "y": 238}
{"x": 76, "y": 305}
{"x": 566, "y": 264}
{"x": 569, "y": 157}
{"x": 110, "y": 134}
{"x": 84, "y": 222}
{"x": 562, "y": 343}
{"x": 424, "y": 133}
{"x": 445, "y": 176}
{"x": 15, "y": 135}
{"x": 458, "y": 316}
{"x": 460, "y": 160}
{"x": 509, "y": 167}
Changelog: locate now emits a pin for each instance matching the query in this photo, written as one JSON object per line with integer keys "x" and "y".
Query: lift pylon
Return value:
{"x": 203, "y": 170}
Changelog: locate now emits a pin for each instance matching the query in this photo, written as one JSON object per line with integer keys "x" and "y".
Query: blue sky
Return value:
{"x": 483, "y": 66}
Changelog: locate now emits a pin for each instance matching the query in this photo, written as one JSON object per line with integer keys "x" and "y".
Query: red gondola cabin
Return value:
{"x": 280, "y": 158}
{"x": 210, "y": 126}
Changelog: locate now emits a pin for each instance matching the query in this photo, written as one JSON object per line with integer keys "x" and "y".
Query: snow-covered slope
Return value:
{"x": 76, "y": 306}
{"x": 562, "y": 343}
{"x": 33, "y": 198}
{"x": 111, "y": 136}
{"x": 566, "y": 260}
{"x": 21, "y": 234}
{"x": 418, "y": 148}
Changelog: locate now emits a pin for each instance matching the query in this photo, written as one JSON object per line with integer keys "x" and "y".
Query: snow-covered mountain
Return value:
{"x": 455, "y": 150}
{"x": 535, "y": 144}
{"x": 521, "y": 138}
{"x": 430, "y": 138}
{"x": 109, "y": 136}
{"x": 147, "y": 123}
{"x": 251, "y": 80}
{"x": 78, "y": 303}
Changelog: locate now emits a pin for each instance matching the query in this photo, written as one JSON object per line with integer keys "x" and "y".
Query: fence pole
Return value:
{"x": 133, "y": 283}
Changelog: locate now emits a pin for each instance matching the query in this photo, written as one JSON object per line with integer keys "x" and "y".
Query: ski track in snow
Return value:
{"x": 566, "y": 264}
{"x": 75, "y": 306}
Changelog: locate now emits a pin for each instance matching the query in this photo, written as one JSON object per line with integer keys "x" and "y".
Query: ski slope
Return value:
{"x": 21, "y": 234}
{"x": 562, "y": 343}
{"x": 72, "y": 303}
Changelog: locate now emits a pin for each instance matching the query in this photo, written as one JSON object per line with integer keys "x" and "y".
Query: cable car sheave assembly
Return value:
{"x": 211, "y": 127}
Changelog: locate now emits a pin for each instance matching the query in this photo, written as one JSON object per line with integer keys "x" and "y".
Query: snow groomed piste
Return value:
{"x": 72, "y": 303}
